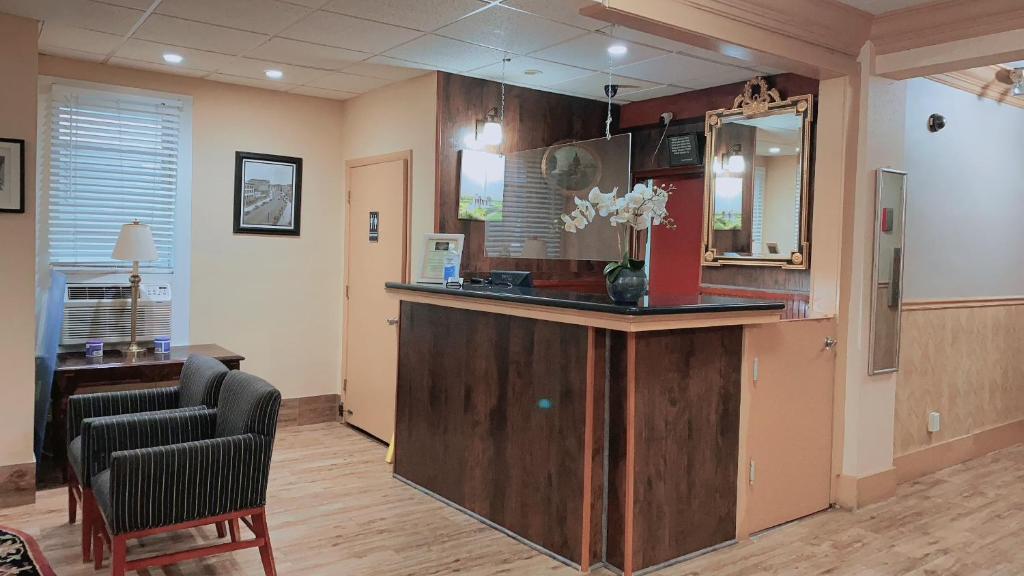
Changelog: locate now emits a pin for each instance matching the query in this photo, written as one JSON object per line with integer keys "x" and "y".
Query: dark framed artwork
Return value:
{"x": 12, "y": 175}
{"x": 268, "y": 194}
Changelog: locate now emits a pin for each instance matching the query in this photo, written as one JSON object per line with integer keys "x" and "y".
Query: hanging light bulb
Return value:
{"x": 491, "y": 133}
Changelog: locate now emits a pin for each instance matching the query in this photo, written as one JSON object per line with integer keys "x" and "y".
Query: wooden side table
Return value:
{"x": 76, "y": 374}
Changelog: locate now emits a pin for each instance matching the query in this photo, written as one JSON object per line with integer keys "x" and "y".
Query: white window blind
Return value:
{"x": 113, "y": 158}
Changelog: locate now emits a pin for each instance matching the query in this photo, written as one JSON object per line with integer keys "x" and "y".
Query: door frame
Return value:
{"x": 406, "y": 157}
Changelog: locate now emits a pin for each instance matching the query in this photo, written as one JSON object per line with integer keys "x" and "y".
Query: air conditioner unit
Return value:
{"x": 103, "y": 312}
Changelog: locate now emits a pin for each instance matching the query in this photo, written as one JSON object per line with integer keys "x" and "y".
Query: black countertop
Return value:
{"x": 573, "y": 300}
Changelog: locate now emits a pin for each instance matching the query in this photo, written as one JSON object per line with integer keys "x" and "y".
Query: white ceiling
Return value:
{"x": 340, "y": 48}
{"x": 883, "y": 6}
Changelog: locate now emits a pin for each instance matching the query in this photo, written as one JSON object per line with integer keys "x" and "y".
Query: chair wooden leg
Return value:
{"x": 97, "y": 549}
{"x": 234, "y": 529}
{"x": 222, "y": 530}
{"x": 259, "y": 521}
{"x": 72, "y": 501}
{"x": 87, "y": 527}
{"x": 118, "y": 556}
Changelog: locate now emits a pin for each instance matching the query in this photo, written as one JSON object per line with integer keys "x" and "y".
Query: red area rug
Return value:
{"x": 20, "y": 555}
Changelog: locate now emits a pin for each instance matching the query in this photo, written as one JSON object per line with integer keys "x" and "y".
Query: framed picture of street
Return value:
{"x": 12, "y": 175}
{"x": 268, "y": 194}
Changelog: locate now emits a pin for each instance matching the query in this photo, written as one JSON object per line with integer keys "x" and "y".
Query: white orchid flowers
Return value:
{"x": 643, "y": 207}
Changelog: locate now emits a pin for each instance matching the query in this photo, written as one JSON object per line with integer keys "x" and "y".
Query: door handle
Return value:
{"x": 830, "y": 343}
{"x": 392, "y": 321}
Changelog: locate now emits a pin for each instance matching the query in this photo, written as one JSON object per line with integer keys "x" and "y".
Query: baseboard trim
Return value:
{"x": 309, "y": 410}
{"x": 17, "y": 484}
{"x": 857, "y": 492}
{"x": 913, "y": 465}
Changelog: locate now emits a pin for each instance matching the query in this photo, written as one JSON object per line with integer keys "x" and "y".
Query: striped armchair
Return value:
{"x": 174, "y": 471}
{"x": 198, "y": 389}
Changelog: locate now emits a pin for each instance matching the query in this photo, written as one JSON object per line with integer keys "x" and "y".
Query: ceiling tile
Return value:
{"x": 323, "y": 93}
{"x": 164, "y": 68}
{"x": 384, "y": 71}
{"x": 310, "y": 3}
{"x": 446, "y": 54}
{"x": 592, "y": 86}
{"x": 510, "y": 30}
{"x": 591, "y": 51}
{"x": 256, "y": 69}
{"x": 256, "y": 83}
{"x": 398, "y": 63}
{"x": 684, "y": 71}
{"x": 137, "y": 4}
{"x": 343, "y": 82}
{"x": 306, "y": 54}
{"x": 78, "y": 13}
{"x": 425, "y": 15}
{"x": 544, "y": 73}
{"x": 153, "y": 52}
{"x": 656, "y": 92}
{"x": 564, "y": 11}
{"x": 264, "y": 16}
{"x": 343, "y": 31}
{"x": 178, "y": 32}
{"x": 56, "y": 35}
{"x": 73, "y": 54}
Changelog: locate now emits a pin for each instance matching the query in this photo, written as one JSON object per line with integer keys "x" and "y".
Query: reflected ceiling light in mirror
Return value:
{"x": 172, "y": 58}
{"x": 731, "y": 165}
{"x": 775, "y": 149}
{"x": 274, "y": 74}
{"x": 736, "y": 163}
{"x": 617, "y": 49}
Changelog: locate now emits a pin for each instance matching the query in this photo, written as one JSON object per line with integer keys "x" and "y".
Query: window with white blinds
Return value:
{"x": 113, "y": 158}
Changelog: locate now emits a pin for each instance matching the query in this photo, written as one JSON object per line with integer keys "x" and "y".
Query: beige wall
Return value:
{"x": 272, "y": 299}
{"x": 17, "y": 239}
{"x": 397, "y": 117}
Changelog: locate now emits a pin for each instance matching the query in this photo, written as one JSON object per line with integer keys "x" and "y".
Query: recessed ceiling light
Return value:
{"x": 172, "y": 58}
{"x": 775, "y": 149}
{"x": 617, "y": 49}
{"x": 274, "y": 74}
{"x": 532, "y": 72}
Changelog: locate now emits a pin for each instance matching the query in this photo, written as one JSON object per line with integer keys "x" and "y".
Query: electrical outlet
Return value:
{"x": 934, "y": 422}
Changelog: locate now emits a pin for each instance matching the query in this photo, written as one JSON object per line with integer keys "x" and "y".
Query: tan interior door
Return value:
{"x": 371, "y": 315}
{"x": 789, "y": 431}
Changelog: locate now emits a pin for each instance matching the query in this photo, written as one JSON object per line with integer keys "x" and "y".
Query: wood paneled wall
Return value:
{"x": 964, "y": 361}
{"x": 532, "y": 119}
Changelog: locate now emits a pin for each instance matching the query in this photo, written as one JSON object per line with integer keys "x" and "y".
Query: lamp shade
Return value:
{"x": 135, "y": 243}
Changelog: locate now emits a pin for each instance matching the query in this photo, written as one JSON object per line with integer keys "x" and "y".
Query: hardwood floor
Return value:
{"x": 334, "y": 510}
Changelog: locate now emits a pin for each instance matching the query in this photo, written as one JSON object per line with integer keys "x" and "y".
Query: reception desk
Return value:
{"x": 597, "y": 433}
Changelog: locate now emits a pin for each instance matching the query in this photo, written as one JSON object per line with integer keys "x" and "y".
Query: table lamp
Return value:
{"x": 135, "y": 244}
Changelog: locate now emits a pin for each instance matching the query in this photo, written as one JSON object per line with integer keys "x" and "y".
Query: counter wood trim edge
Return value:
{"x": 588, "y": 450}
{"x": 630, "y": 508}
{"x": 942, "y": 304}
{"x": 605, "y": 320}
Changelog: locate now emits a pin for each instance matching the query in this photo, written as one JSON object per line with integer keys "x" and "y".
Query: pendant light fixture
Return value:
{"x": 489, "y": 131}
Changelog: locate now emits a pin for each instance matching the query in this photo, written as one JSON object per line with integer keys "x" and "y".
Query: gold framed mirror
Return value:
{"x": 757, "y": 180}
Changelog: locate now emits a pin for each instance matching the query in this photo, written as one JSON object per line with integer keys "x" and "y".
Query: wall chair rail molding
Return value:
{"x": 981, "y": 302}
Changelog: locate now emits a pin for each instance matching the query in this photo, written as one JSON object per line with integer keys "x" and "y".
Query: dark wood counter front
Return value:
{"x": 596, "y": 445}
